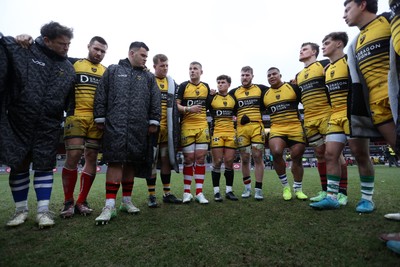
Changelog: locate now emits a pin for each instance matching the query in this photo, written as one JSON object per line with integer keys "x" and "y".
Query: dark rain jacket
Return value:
{"x": 128, "y": 100}
{"x": 34, "y": 95}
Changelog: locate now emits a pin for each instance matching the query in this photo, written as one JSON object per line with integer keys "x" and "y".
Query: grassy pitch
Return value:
{"x": 272, "y": 232}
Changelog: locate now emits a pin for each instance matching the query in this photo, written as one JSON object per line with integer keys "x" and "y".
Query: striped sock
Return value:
{"x": 367, "y": 187}
{"x": 151, "y": 185}
{"x": 127, "y": 188}
{"x": 112, "y": 190}
{"x": 19, "y": 184}
{"x": 187, "y": 177}
{"x": 283, "y": 179}
{"x": 199, "y": 174}
{"x": 166, "y": 181}
{"x": 333, "y": 185}
{"x": 43, "y": 183}
{"x": 247, "y": 182}
{"x": 297, "y": 186}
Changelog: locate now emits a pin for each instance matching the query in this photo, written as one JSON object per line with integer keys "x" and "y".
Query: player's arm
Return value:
{"x": 232, "y": 94}
{"x": 297, "y": 91}
{"x": 182, "y": 108}
{"x": 264, "y": 89}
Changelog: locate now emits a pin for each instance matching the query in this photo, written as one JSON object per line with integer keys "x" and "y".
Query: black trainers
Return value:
{"x": 231, "y": 196}
{"x": 170, "y": 198}
{"x": 152, "y": 203}
{"x": 217, "y": 197}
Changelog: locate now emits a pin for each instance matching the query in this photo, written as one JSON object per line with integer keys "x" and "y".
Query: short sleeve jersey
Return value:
{"x": 282, "y": 104}
{"x": 194, "y": 94}
{"x": 372, "y": 55}
{"x": 88, "y": 76}
{"x": 222, "y": 112}
{"x": 162, "y": 83}
{"x": 311, "y": 81}
{"x": 248, "y": 101}
{"x": 337, "y": 82}
{"x": 395, "y": 29}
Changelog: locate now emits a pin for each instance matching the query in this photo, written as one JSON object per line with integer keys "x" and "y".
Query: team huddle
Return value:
{"x": 138, "y": 119}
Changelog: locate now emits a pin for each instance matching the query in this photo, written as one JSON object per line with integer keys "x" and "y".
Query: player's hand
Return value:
{"x": 24, "y": 40}
{"x": 213, "y": 91}
{"x": 195, "y": 109}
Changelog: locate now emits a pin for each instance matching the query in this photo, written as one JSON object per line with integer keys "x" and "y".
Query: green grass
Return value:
{"x": 244, "y": 233}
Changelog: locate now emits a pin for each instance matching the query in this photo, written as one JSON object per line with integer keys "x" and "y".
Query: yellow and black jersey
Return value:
{"x": 314, "y": 95}
{"x": 282, "y": 104}
{"x": 222, "y": 110}
{"x": 191, "y": 94}
{"x": 163, "y": 85}
{"x": 337, "y": 82}
{"x": 395, "y": 30}
{"x": 372, "y": 55}
{"x": 248, "y": 101}
{"x": 88, "y": 76}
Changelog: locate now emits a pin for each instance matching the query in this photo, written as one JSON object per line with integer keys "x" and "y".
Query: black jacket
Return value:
{"x": 129, "y": 100}
{"x": 34, "y": 95}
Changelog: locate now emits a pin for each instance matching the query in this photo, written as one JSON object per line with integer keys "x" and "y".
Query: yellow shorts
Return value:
{"x": 223, "y": 141}
{"x": 251, "y": 133}
{"x": 338, "y": 126}
{"x": 381, "y": 112}
{"x": 163, "y": 135}
{"x": 315, "y": 127}
{"x": 195, "y": 136}
{"x": 82, "y": 127}
{"x": 293, "y": 134}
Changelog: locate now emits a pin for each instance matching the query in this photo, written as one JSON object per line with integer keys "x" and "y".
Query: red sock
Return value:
{"x": 111, "y": 190}
{"x": 187, "y": 177}
{"x": 199, "y": 174}
{"x": 69, "y": 178}
{"x": 127, "y": 188}
{"x": 86, "y": 183}
{"x": 322, "y": 175}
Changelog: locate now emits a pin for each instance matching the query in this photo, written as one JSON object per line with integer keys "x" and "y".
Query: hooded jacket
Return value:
{"x": 34, "y": 94}
{"x": 127, "y": 100}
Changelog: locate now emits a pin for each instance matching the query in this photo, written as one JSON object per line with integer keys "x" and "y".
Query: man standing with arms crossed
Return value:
{"x": 160, "y": 64}
{"x": 250, "y": 130}
{"x": 80, "y": 131}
